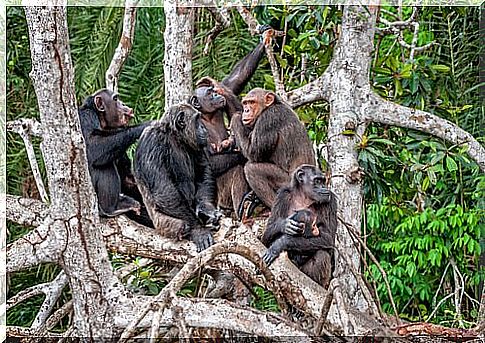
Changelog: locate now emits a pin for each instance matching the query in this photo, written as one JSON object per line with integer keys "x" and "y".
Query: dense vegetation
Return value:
{"x": 424, "y": 198}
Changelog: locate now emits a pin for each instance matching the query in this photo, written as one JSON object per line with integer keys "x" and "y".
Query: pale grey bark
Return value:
{"x": 69, "y": 232}
{"x": 124, "y": 47}
{"x": 386, "y": 112}
{"x": 177, "y": 67}
{"x": 68, "y": 235}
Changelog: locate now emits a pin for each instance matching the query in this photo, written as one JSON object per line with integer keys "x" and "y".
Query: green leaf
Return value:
{"x": 451, "y": 164}
{"x": 440, "y": 68}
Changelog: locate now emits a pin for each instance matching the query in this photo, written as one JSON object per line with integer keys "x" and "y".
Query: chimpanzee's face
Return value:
{"x": 112, "y": 112}
{"x": 312, "y": 182}
{"x": 186, "y": 122}
{"x": 208, "y": 100}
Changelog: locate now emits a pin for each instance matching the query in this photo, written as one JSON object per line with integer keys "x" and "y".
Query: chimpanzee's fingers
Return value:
{"x": 269, "y": 256}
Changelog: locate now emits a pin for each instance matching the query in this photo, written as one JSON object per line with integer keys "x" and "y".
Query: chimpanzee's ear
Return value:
{"x": 300, "y": 175}
{"x": 99, "y": 103}
{"x": 269, "y": 99}
{"x": 194, "y": 101}
{"x": 180, "y": 120}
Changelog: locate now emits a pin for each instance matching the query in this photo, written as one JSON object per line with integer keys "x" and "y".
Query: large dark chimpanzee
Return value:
{"x": 174, "y": 176}
{"x": 104, "y": 120}
{"x": 274, "y": 141}
{"x": 304, "y": 222}
{"x": 214, "y": 99}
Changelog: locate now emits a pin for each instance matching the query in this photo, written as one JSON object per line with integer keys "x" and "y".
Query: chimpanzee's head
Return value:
{"x": 184, "y": 121}
{"x": 255, "y": 103}
{"x": 112, "y": 113}
{"x": 208, "y": 97}
{"x": 311, "y": 182}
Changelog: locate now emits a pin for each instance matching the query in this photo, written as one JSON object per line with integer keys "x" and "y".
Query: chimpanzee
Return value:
{"x": 304, "y": 222}
{"x": 273, "y": 140}
{"x": 214, "y": 99}
{"x": 103, "y": 118}
{"x": 174, "y": 176}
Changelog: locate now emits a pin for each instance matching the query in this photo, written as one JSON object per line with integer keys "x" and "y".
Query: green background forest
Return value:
{"x": 424, "y": 198}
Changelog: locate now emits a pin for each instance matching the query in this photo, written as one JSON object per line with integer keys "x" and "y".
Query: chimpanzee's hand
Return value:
{"x": 270, "y": 255}
{"x": 208, "y": 215}
{"x": 202, "y": 239}
{"x": 293, "y": 227}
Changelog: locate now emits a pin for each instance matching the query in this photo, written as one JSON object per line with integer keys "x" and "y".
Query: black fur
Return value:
{"x": 104, "y": 148}
{"x": 312, "y": 254}
{"x": 174, "y": 176}
{"x": 226, "y": 164}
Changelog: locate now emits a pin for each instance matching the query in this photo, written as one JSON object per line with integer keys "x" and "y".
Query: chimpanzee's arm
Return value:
{"x": 257, "y": 145}
{"x": 128, "y": 183}
{"x": 277, "y": 220}
{"x": 205, "y": 185}
{"x": 221, "y": 163}
{"x": 244, "y": 70}
{"x": 302, "y": 244}
{"x": 105, "y": 146}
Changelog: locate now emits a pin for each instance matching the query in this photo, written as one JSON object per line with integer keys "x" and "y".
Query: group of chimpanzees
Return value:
{"x": 187, "y": 165}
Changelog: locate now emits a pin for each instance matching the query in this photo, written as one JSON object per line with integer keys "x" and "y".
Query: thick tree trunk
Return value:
{"x": 72, "y": 219}
{"x": 350, "y": 82}
{"x": 179, "y": 23}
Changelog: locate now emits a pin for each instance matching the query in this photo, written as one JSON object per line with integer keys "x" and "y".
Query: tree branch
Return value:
{"x": 253, "y": 28}
{"x": 126, "y": 237}
{"x": 25, "y": 211}
{"x": 221, "y": 314}
{"x": 316, "y": 90}
{"x": 42, "y": 245}
{"x": 221, "y": 16}
{"x": 124, "y": 46}
{"x": 386, "y": 112}
{"x": 31, "y": 126}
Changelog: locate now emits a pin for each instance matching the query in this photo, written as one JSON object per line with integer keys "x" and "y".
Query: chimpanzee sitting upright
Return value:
{"x": 174, "y": 176}
{"x": 304, "y": 222}
{"x": 103, "y": 120}
{"x": 274, "y": 141}
{"x": 214, "y": 99}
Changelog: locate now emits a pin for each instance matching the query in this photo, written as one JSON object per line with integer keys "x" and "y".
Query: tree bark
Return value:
{"x": 177, "y": 68}
{"x": 72, "y": 238}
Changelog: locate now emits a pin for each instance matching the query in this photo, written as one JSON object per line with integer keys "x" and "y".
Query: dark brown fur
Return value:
{"x": 215, "y": 101}
{"x": 311, "y": 253}
{"x": 275, "y": 142}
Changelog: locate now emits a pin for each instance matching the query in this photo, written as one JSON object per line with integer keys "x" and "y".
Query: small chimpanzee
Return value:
{"x": 273, "y": 140}
{"x": 304, "y": 222}
{"x": 174, "y": 176}
{"x": 103, "y": 120}
{"x": 214, "y": 99}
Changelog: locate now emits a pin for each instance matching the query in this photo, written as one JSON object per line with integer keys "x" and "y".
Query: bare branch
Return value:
{"x": 25, "y": 211}
{"x": 52, "y": 293}
{"x": 193, "y": 265}
{"x": 354, "y": 234}
{"x": 124, "y": 46}
{"x": 253, "y": 28}
{"x": 27, "y": 128}
{"x": 42, "y": 245}
{"x": 397, "y": 28}
{"x": 126, "y": 237}
{"x": 30, "y": 126}
{"x": 221, "y": 314}
{"x": 318, "y": 89}
{"x": 221, "y": 16}
{"x": 17, "y": 331}
{"x": 389, "y": 113}
{"x": 360, "y": 281}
